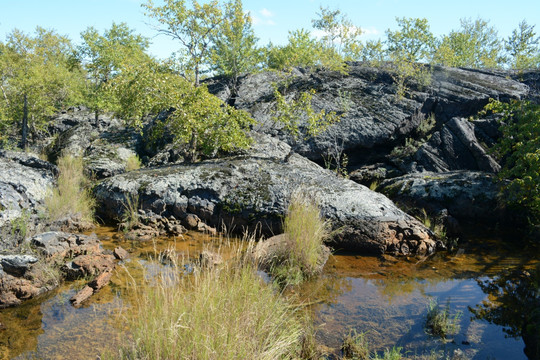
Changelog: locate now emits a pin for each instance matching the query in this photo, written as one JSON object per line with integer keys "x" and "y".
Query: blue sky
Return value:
{"x": 272, "y": 19}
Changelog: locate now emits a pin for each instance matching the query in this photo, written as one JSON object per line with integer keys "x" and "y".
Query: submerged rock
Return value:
{"x": 253, "y": 191}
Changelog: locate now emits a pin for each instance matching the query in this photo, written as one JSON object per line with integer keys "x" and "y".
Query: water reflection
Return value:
{"x": 514, "y": 303}
{"x": 385, "y": 297}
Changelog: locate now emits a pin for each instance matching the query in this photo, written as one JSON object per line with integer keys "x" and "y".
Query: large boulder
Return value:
{"x": 467, "y": 195}
{"x": 25, "y": 181}
{"x": 253, "y": 190}
{"x": 105, "y": 147}
{"x": 460, "y": 145}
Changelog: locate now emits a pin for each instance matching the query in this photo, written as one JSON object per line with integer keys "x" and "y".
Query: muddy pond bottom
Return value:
{"x": 385, "y": 298}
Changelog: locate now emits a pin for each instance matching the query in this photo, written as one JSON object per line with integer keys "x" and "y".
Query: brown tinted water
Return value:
{"x": 384, "y": 297}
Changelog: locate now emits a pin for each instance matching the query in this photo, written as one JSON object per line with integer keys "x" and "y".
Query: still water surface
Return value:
{"x": 383, "y": 297}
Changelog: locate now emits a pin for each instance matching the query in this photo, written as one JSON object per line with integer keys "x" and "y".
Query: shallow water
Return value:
{"x": 384, "y": 297}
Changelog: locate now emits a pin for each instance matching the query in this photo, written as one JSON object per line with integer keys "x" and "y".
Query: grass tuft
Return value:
{"x": 130, "y": 215}
{"x": 305, "y": 231}
{"x": 133, "y": 163}
{"x": 224, "y": 312}
{"x": 71, "y": 196}
{"x": 355, "y": 346}
{"x": 440, "y": 322}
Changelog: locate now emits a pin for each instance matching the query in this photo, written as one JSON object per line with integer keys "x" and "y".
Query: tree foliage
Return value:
{"x": 302, "y": 50}
{"x": 519, "y": 150}
{"x": 196, "y": 119}
{"x": 340, "y": 37}
{"x": 523, "y": 47}
{"x": 103, "y": 56}
{"x": 195, "y": 26}
{"x": 38, "y": 76}
{"x": 475, "y": 45}
{"x": 234, "y": 50}
{"x": 296, "y": 114}
{"x": 413, "y": 41}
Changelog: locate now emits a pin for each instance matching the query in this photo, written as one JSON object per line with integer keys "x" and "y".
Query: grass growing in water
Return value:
{"x": 71, "y": 196}
{"x": 440, "y": 322}
{"x": 355, "y": 346}
{"x": 224, "y": 312}
{"x": 305, "y": 234}
{"x": 130, "y": 216}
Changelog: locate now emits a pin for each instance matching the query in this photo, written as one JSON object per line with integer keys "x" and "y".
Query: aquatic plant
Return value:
{"x": 390, "y": 354}
{"x": 130, "y": 215}
{"x": 355, "y": 346}
{"x": 439, "y": 321}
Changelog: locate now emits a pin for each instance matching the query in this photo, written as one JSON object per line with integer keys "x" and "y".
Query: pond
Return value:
{"x": 384, "y": 297}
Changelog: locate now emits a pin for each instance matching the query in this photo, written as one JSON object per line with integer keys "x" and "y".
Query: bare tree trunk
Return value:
{"x": 96, "y": 117}
{"x": 193, "y": 147}
{"x": 24, "y": 134}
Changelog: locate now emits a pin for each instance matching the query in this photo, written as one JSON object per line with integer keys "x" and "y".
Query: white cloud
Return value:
{"x": 266, "y": 13}
{"x": 370, "y": 31}
{"x": 264, "y": 19}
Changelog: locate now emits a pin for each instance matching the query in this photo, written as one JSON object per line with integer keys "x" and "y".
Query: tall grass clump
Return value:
{"x": 133, "y": 162}
{"x": 225, "y": 312}
{"x": 71, "y": 196}
{"x": 301, "y": 253}
{"x": 130, "y": 215}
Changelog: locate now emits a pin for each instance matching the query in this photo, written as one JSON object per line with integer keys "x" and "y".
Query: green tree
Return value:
{"x": 522, "y": 46}
{"x": 340, "y": 37}
{"x": 414, "y": 40}
{"x": 195, "y": 27}
{"x": 38, "y": 76}
{"x": 406, "y": 47}
{"x": 197, "y": 120}
{"x": 475, "y": 45}
{"x": 235, "y": 46}
{"x": 519, "y": 150}
{"x": 374, "y": 52}
{"x": 103, "y": 56}
{"x": 295, "y": 112}
{"x": 302, "y": 50}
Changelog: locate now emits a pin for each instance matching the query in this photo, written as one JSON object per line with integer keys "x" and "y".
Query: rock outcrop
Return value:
{"x": 458, "y": 146}
{"x": 252, "y": 191}
{"x": 60, "y": 255}
{"x": 467, "y": 195}
{"x": 25, "y": 181}
{"x": 105, "y": 147}
{"x": 374, "y": 119}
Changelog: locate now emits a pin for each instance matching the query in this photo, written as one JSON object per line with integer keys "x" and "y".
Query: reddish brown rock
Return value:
{"x": 84, "y": 294}
{"x": 101, "y": 280}
{"x": 120, "y": 253}
{"x": 88, "y": 265}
